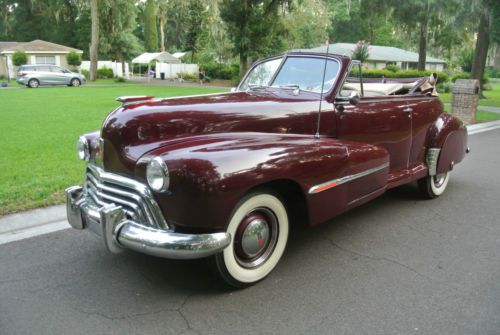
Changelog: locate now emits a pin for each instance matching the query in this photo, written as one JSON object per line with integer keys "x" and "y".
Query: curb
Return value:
{"x": 40, "y": 221}
{"x": 22, "y": 225}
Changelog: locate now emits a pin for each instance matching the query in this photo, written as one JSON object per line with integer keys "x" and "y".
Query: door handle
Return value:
{"x": 408, "y": 110}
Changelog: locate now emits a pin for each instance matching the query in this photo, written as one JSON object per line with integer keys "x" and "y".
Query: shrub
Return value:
{"x": 120, "y": 80}
{"x": 19, "y": 58}
{"x": 493, "y": 72}
{"x": 85, "y": 73}
{"x": 392, "y": 67}
{"x": 466, "y": 75}
{"x": 104, "y": 73}
{"x": 221, "y": 71}
{"x": 74, "y": 59}
{"x": 187, "y": 76}
{"x": 444, "y": 87}
{"x": 460, "y": 75}
{"x": 2, "y": 77}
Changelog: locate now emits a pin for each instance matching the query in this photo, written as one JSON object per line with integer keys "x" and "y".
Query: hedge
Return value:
{"x": 466, "y": 75}
{"x": 221, "y": 71}
{"x": 369, "y": 73}
{"x": 105, "y": 73}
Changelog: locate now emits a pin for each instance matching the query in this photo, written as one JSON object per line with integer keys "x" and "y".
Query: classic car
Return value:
{"x": 224, "y": 176}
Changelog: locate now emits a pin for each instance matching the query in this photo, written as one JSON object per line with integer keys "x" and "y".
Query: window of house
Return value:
{"x": 46, "y": 60}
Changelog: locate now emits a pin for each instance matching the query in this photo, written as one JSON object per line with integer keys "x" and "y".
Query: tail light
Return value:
{"x": 22, "y": 74}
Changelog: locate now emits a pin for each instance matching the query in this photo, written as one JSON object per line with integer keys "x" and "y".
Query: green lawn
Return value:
{"x": 38, "y": 133}
{"x": 492, "y": 97}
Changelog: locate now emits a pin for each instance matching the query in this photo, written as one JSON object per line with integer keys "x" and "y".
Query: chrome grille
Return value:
{"x": 103, "y": 188}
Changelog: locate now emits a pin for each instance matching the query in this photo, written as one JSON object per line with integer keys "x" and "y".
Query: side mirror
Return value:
{"x": 354, "y": 98}
{"x": 233, "y": 89}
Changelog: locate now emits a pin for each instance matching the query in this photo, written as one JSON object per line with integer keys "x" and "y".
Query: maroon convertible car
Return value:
{"x": 302, "y": 138}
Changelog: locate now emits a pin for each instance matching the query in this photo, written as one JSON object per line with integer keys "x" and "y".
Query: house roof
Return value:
{"x": 36, "y": 46}
{"x": 148, "y": 57}
{"x": 376, "y": 53}
{"x": 7, "y": 45}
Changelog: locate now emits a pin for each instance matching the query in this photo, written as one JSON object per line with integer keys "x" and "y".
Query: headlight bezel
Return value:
{"x": 157, "y": 170}
{"x": 83, "y": 149}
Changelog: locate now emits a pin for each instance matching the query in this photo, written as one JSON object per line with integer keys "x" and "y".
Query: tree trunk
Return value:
{"x": 481, "y": 51}
{"x": 243, "y": 63}
{"x": 422, "y": 49}
{"x": 162, "y": 34}
{"x": 94, "y": 13}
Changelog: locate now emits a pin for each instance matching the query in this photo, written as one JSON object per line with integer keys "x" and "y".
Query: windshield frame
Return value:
{"x": 284, "y": 58}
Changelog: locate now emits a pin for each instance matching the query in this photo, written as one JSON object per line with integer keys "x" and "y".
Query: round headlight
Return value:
{"x": 82, "y": 149}
{"x": 157, "y": 175}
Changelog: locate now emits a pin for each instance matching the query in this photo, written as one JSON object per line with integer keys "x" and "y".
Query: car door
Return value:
{"x": 59, "y": 76}
{"x": 44, "y": 75}
{"x": 384, "y": 121}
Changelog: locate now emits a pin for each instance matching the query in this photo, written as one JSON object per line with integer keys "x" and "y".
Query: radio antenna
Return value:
{"x": 322, "y": 87}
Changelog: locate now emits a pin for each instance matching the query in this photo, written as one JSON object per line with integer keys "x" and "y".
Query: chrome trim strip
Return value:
{"x": 339, "y": 181}
{"x": 118, "y": 232}
{"x": 152, "y": 209}
{"x": 432, "y": 160}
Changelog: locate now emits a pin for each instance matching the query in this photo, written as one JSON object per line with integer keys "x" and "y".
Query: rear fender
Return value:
{"x": 447, "y": 144}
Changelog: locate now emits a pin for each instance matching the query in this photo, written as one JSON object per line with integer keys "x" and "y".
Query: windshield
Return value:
{"x": 305, "y": 73}
{"x": 261, "y": 75}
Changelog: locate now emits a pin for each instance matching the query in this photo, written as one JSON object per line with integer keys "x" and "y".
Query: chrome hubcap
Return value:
{"x": 255, "y": 237}
{"x": 439, "y": 179}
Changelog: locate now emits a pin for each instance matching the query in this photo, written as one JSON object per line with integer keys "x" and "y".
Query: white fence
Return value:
{"x": 172, "y": 70}
{"x": 115, "y": 66}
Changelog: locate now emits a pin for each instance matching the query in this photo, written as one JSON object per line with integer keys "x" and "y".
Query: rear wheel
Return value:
{"x": 433, "y": 186}
{"x": 33, "y": 83}
{"x": 259, "y": 234}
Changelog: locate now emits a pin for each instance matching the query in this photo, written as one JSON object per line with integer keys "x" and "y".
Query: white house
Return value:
{"x": 38, "y": 52}
{"x": 380, "y": 56}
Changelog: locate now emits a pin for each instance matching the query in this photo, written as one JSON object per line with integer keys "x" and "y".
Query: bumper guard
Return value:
{"x": 118, "y": 232}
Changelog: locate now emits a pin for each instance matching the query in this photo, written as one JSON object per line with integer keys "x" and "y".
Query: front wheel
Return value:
{"x": 259, "y": 234}
{"x": 433, "y": 186}
{"x": 75, "y": 82}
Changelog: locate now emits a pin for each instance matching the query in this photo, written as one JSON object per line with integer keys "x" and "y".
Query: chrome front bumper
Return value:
{"x": 119, "y": 232}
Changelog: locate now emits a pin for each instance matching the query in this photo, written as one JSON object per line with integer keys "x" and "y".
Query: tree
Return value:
{"x": 19, "y": 58}
{"x": 489, "y": 21}
{"x": 94, "y": 44}
{"x": 361, "y": 51}
{"x": 74, "y": 59}
{"x": 423, "y": 15}
{"x": 252, "y": 26}
{"x": 118, "y": 41}
{"x": 150, "y": 30}
{"x": 162, "y": 20}
{"x": 194, "y": 23}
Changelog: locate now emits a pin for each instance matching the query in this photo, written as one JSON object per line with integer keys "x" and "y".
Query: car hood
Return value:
{"x": 134, "y": 129}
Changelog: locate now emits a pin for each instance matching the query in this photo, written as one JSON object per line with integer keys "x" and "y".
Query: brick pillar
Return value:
{"x": 465, "y": 95}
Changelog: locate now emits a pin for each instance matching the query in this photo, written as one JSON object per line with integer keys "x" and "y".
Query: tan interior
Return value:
{"x": 376, "y": 89}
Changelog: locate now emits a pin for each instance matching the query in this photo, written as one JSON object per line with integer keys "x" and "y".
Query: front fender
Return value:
{"x": 211, "y": 173}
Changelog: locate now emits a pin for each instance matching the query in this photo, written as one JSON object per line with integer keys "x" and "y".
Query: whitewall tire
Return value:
{"x": 259, "y": 233}
{"x": 434, "y": 186}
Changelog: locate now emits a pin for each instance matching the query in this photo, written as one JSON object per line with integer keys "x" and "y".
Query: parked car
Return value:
{"x": 42, "y": 74}
{"x": 226, "y": 175}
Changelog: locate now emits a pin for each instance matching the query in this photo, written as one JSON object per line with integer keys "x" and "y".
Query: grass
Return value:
{"x": 111, "y": 81}
{"x": 481, "y": 115}
{"x": 38, "y": 133}
{"x": 492, "y": 97}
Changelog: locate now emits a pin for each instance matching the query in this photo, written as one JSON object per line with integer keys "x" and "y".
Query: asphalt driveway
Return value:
{"x": 397, "y": 265}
